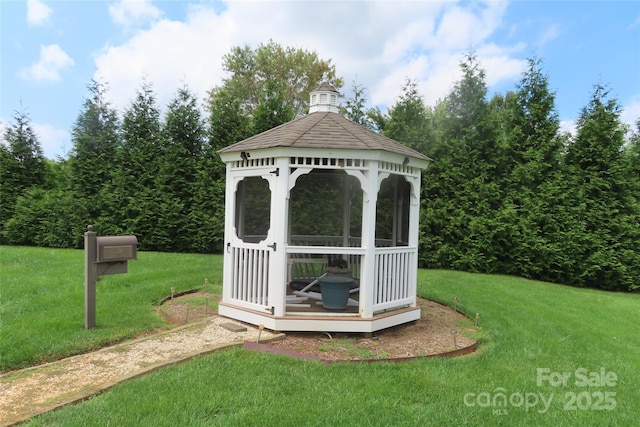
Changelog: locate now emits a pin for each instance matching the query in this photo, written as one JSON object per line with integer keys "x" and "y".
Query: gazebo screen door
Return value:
{"x": 248, "y": 249}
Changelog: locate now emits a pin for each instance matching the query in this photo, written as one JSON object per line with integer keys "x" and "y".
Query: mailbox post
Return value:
{"x": 103, "y": 255}
{"x": 90, "y": 278}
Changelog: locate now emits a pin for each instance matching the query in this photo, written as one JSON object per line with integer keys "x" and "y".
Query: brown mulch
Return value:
{"x": 429, "y": 336}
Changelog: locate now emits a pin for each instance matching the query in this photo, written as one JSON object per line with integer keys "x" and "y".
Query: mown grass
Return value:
{"x": 528, "y": 326}
{"x": 42, "y": 300}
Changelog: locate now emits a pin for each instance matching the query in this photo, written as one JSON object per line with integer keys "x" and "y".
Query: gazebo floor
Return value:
{"x": 319, "y": 319}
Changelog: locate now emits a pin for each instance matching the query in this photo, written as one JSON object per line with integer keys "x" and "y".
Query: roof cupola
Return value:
{"x": 324, "y": 98}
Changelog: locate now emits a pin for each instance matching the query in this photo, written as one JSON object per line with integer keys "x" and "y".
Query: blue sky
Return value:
{"x": 51, "y": 50}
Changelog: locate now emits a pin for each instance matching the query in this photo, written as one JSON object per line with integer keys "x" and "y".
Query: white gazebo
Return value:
{"x": 312, "y": 191}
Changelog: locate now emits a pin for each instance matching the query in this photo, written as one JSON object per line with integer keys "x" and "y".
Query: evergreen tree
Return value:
{"x": 132, "y": 194}
{"x": 534, "y": 148}
{"x": 531, "y": 131}
{"x": 354, "y": 108}
{"x": 92, "y": 160}
{"x": 43, "y": 217}
{"x": 22, "y": 165}
{"x": 632, "y": 155}
{"x": 228, "y": 122}
{"x": 606, "y": 221}
{"x": 408, "y": 120}
{"x": 462, "y": 187}
{"x": 184, "y": 135}
{"x": 379, "y": 120}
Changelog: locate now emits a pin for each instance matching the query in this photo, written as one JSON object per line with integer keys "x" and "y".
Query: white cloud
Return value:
{"x": 131, "y": 12}
{"x": 498, "y": 63}
{"x": 3, "y": 129}
{"x": 38, "y": 13}
{"x": 169, "y": 55}
{"x": 382, "y": 43}
{"x": 53, "y": 141}
{"x": 548, "y": 35}
{"x": 631, "y": 112}
{"x": 52, "y": 60}
{"x": 569, "y": 126}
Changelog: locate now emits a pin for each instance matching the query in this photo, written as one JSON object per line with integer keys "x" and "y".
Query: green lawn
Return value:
{"x": 535, "y": 333}
{"x": 42, "y": 300}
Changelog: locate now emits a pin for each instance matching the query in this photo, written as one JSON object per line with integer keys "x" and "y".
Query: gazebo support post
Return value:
{"x": 414, "y": 218}
{"x": 368, "y": 276}
{"x": 278, "y": 233}
{"x": 229, "y": 215}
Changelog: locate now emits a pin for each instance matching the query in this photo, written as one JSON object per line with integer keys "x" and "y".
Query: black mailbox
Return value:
{"x": 116, "y": 248}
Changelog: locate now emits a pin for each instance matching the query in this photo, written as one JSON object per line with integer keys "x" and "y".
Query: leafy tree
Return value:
{"x": 299, "y": 71}
{"x": 272, "y": 110}
{"x": 22, "y": 164}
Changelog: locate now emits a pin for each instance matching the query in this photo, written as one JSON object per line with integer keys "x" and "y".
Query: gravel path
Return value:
{"x": 35, "y": 390}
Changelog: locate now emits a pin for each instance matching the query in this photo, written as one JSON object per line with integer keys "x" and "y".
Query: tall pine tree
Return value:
{"x": 528, "y": 215}
{"x": 462, "y": 187}
{"x": 22, "y": 165}
{"x": 408, "y": 119}
{"x": 354, "y": 108}
{"x": 95, "y": 140}
{"x": 133, "y": 197}
{"x": 606, "y": 221}
{"x": 184, "y": 137}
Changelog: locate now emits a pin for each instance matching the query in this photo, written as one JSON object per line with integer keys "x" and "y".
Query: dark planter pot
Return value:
{"x": 335, "y": 291}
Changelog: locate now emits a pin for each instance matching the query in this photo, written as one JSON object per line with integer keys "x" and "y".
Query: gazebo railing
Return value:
{"x": 393, "y": 278}
{"x": 394, "y": 283}
{"x": 250, "y": 277}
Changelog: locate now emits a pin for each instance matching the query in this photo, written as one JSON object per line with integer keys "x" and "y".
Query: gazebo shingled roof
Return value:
{"x": 324, "y": 130}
